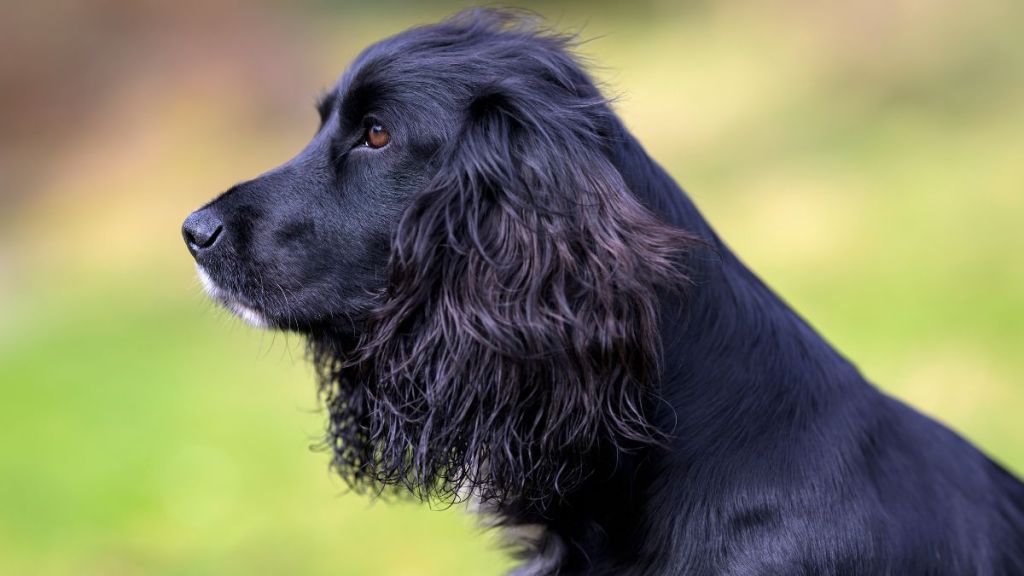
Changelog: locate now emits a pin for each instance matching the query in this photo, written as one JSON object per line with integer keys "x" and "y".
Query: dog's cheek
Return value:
{"x": 289, "y": 252}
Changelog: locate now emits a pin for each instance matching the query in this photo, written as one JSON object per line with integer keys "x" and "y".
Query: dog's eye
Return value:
{"x": 376, "y": 136}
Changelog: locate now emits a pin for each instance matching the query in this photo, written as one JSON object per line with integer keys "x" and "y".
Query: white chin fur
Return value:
{"x": 244, "y": 312}
{"x": 250, "y": 316}
{"x": 207, "y": 283}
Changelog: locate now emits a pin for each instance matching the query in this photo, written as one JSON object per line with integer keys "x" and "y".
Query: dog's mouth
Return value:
{"x": 232, "y": 302}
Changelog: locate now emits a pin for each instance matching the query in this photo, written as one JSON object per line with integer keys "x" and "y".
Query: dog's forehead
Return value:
{"x": 432, "y": 71}
{"x": 449, "y": 56}
{"x": 385, "y": 77}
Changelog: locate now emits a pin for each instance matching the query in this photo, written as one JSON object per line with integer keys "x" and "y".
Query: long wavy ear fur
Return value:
{"x": 519, "y": 335}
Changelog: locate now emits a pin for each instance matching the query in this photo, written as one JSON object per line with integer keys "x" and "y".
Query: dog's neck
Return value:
{"x": 736, "y": 361}
{"x": 730, "y": 334}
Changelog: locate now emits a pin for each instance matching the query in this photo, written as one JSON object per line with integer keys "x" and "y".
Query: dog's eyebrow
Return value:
{"x": 359, "y": 100}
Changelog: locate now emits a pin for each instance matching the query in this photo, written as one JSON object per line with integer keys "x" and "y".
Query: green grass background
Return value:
{"x": 866, "y": 158}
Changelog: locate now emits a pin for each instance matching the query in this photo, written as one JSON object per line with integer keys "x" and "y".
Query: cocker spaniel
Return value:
{"x": 507, "y": 299}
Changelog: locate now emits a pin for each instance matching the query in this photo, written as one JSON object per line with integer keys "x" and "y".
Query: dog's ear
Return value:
{"x": 519, "y": 334}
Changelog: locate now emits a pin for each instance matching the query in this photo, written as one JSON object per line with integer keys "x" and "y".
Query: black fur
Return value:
{"x": 511, "y": 300}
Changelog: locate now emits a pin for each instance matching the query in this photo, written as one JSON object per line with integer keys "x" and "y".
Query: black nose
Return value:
{"x": 201, "y": 230}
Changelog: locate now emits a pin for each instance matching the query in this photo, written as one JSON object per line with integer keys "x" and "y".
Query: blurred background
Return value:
{"x": 866, "y": 158}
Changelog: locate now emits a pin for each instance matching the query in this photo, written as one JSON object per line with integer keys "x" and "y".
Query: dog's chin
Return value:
{"x": 247, "y": 313}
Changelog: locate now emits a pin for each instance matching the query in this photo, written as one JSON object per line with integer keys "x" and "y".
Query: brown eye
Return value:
{"x": 376, "y": 136}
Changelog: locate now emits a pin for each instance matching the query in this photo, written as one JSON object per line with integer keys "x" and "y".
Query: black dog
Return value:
{"x": 508, "y": 299}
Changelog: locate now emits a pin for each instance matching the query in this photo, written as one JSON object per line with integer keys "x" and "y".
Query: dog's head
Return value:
{"x": 477, "y": 282}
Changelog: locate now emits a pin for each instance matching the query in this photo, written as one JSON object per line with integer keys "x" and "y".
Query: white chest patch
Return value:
{"x": 543, "y": 552}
